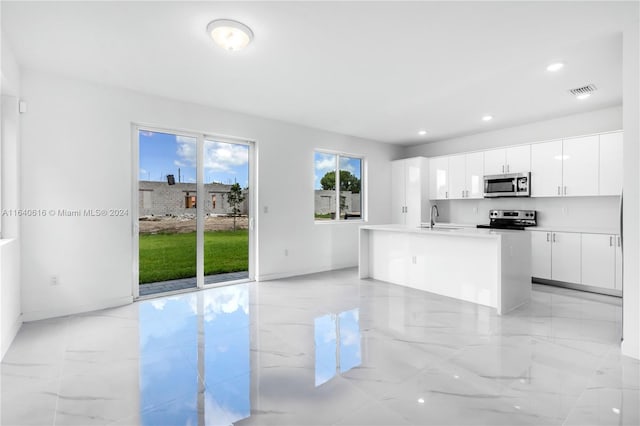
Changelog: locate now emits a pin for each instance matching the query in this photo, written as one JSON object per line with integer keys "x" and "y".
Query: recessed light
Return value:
{"x": 422, "y": 132}
{"x": 583, "y": 96}
{"x": 487, "y": 118}
{"x": 420, "y": 400}
{"x": 557, "y": 66}
{"x": 230, "y": 35}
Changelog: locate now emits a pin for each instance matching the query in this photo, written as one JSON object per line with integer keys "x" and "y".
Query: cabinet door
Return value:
{"x": 413, "y": 191}
{"x": 546, "y": 169}
{"x": 439, "y": 179}
{"x": 518, "y": 159}
{"x": 579, "y": 166}
{"x": 397, "y": 191}
{"x": 618, "y": 283}
{"x": 598, "y": 260}
{"x": 541, "y": 254}
{"x": 457, "y": 171}
{"x": 565, "y": 257}
{"x": 475, "y": 175}
{"x": 611, "y": 164}
{"x": 494, "y": 162}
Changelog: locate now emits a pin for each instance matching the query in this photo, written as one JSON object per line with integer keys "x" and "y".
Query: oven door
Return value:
{"x": 500, "y": 186}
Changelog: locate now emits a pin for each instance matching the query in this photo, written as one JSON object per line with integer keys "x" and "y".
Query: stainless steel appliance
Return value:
{"x": 508, "y": 185}
{"x": 511, "y": 219}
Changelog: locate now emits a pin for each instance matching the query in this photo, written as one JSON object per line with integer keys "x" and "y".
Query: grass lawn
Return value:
{"x": 172, "y": 256}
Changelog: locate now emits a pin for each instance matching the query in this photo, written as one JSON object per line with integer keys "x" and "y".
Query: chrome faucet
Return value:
{"x": 432, "y": 219}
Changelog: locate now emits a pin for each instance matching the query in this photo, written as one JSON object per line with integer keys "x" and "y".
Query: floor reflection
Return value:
{"x": 338, "y": 347}
{"x": 195, "y": 358}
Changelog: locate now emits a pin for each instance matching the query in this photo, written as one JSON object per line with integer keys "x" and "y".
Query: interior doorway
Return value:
{"x": 194, "y": 223}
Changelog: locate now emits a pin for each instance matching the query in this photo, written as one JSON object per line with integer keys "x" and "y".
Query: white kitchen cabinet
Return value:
{"x": 618, "y": 279}
{"x": 546, "y": 169}
{"x": 541, "y": 254}
{"x": 494, "y": 160}
{"x": 518, "y": 159}
{"x": 475, "y": 175}
{"x": 515, "y": 159}
{"x": 565, "y": 257}
{"x": 580, "y": 157}
{"x": 457, "y": 176}
{"x": 439, "y": 178}
{"x": 598, "y": 260}
{"x": 610, "y": 163}
{"x": 555, "y": 256}
{"x": 409, "y": 195}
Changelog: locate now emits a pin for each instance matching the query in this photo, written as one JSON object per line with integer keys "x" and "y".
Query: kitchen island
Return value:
{"x": 484, "y": 266}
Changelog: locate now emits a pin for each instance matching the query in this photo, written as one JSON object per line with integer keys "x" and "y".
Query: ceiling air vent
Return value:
{"x": 584, "y": 90}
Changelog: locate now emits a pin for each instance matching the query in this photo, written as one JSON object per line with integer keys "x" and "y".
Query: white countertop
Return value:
{"x": 461, "y": 232}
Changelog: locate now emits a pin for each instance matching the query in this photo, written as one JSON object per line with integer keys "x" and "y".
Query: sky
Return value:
{"x": 324, "y": 162}
{"x": 162, "y": 154}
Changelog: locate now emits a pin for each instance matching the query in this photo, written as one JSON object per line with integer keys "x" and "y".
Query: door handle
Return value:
{"x": 558, "y": 190}
{"x": 610, "y": 241}
{"x": 463, "y": 193}
{"x": 619, "y": 241}
{"x": 446, "y": 194}
{"x": 548, "y": 237}
{"x": 565, "y": 190}
{"x": 507, "y": 168}
{"x": 503, "y": 168}
{"x": 553, "y": 237}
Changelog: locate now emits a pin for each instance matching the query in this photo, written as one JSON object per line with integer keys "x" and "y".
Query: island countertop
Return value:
{"x": 443, "y": 229}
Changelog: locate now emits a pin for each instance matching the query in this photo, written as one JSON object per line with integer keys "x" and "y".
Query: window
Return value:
{"x": 337, "y": 187}
{"x": 190, "y": 201}
{"x": 213, "y": 200}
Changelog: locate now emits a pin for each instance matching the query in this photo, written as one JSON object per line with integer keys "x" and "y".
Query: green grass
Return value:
{"x": 172, "y": 256}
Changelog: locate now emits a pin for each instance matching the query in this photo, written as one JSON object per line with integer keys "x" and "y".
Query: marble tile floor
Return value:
{"x": 325, "y": 349}
{"x": 185, "y": 283}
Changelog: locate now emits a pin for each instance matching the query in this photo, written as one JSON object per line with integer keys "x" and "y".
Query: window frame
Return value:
{"x": 363, "y": 175}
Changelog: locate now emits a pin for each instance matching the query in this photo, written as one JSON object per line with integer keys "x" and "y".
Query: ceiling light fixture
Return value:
{"x": 230, "y": 35}
{"x": 557, "y": 66}
{"x": 583, "y": 96}
{"x": 422, "y": 132}
{"x": 487, "y": 118}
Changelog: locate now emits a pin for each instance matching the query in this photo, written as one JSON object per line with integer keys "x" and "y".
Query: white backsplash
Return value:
{"x": 589, "y": 213}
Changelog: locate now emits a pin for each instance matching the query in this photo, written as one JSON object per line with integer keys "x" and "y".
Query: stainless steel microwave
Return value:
{"x": 508, "y": 185}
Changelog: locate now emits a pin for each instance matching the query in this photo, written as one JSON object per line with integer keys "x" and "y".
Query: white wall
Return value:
{"x": 602, "y": 120}
{"x": 631, "y": 227}
{"x": 77, "y": 154}
{"x": 10, "y": 300}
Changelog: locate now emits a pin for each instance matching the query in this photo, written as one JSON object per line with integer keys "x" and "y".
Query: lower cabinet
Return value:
{"x": 580, "y": 258}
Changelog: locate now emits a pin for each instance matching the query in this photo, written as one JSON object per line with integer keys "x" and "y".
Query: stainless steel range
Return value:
{"x": 511, "y": 219}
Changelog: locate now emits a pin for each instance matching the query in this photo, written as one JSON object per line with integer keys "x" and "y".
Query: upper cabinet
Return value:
{"x": 580, "y": 166}
{"x": 585, "y": 166}
{"x": 439, "y": 178}
{"x": 515, "y": 159}
{"x": 611, "y": 163}
{"x": 546, "y": 169}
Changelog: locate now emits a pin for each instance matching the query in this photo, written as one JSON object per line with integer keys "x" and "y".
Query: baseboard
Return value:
{"x": 307, "y": 271}
{"x": 8, "y": 340}
{"x": 90, "y": 307}
{"x": 581, "y": 287}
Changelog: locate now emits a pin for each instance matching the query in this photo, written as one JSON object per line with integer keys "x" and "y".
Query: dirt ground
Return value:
{"x": 154, "y": 225}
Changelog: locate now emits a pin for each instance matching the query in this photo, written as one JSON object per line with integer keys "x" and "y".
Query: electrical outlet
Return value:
{"x": 266, "y": 209}
{"x": 55, "y": 280}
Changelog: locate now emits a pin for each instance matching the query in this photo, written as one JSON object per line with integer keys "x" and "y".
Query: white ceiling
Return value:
{"x": 378, "y": 70}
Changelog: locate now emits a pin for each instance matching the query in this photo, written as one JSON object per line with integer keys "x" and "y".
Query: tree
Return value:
{"x": 348, "y": 182}
{"x": 235, "y": 197}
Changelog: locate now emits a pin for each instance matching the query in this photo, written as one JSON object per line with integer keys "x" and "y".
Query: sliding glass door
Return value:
{"x": 193, "y": 201}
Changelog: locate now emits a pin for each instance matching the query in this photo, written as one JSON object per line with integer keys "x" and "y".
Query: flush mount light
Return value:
{"x": 230, "y": 35}
{"x": 487, "y": 118}
{"x": 557, "y": 66}
{"x": 422, "y": 132}
{"x": 583, "y": 96}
